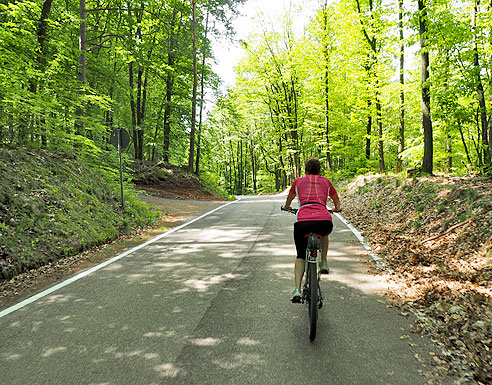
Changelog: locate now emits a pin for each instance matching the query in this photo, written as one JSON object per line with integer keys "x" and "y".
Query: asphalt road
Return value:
{"x": 209, "y": 304}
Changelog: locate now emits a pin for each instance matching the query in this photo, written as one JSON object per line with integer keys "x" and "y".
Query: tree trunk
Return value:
{"x": 327, "y": 85}
{"x": 401, "y": 136}
{"x": 253, "y": 164}
{"x": 195, "y": 86}
{"x": 80, "y": 112}
{"x": 428, "y": 160}
{"x": 371, "y": 71}
{"x": 368, "y": 129}
{"x": 490, "y": 84}
{"x": 169, "y": 87}
{"x": 480, "y": 90}
{"x": 449, "y": 153}
{"x": 156, "y": 132}
{"x": 202, "y": 92}
{"x": 464, "y": 144}
{"x": 379, "y": 120}
{"x": 133, "y": 109}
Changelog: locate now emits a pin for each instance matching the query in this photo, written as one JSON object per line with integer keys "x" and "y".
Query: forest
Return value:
{"x": 367, "y": 86}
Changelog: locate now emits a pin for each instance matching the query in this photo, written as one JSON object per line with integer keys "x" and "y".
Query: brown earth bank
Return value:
{"x": 178, "y": 202}
{"x": 435, "y": 236}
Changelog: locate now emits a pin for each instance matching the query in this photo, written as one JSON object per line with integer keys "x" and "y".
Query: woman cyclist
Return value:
{"x": 312, "y": 191}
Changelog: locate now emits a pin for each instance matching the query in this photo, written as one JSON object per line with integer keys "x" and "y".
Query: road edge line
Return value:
{"x": 93, "y": 269}
{"x": 380, "y": 263}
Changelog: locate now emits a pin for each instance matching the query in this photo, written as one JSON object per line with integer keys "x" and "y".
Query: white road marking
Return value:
{"x": 67, "y": 282}
{"x": 376, "y": 258}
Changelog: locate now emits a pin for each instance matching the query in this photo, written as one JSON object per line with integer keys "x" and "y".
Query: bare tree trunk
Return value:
{"x": 202, "y": 92}
{"x": 464, "y": 144}
{"x": 490, "y": 84}
{"x": 428, "y": 160}
{"x": 253, "y": 163}
{"x": 156, "y": 132}
{"x": 133, "y": 109}
{"x": 401, "y": 136}
{"x": 169, "y": 87}
{"x": 195, "y": 86}
{"x": 480, "y": 91}
{"x": 379, "y": 120}
{"x": 372, "y": 73}
{"x": 327, "y": 84}
{"x": 79, "y": 122}
{"x": 449, "y": 153}
{"x": 368, "y": 129}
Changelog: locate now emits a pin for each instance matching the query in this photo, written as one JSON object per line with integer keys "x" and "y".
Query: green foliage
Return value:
{"x": 57, "y": 204}
{"x": 347, "y": 60}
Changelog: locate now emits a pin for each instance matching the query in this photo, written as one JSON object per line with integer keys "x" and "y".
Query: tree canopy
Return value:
{"x": 339, "y": 91}
{"x": 367, "y": 86}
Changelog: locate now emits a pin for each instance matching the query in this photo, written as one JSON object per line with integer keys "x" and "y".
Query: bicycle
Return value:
{"x": 311, "y": 292}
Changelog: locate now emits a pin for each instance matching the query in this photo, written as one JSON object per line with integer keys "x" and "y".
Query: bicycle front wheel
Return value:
{"x": 312, "y": 300}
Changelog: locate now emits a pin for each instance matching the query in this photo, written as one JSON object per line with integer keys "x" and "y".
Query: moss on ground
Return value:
{"x": 54, "y": 205}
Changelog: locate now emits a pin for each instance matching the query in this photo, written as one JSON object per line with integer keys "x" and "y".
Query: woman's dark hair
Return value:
{"x": 313, "y": 166}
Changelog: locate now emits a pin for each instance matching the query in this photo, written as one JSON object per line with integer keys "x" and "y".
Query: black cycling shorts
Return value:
{"x": 301, "y": 229}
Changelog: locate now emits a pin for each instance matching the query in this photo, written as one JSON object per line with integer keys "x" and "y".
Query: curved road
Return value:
{"x": 209, "y": 304}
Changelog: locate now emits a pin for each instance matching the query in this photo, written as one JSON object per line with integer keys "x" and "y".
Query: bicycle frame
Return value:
{"x": 312, "y": 291}
{"x": 313, "y": 256}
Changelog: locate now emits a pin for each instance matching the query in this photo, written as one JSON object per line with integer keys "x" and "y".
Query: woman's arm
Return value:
{"x": 288, "y": 201}
{"x": 336, "y": 202}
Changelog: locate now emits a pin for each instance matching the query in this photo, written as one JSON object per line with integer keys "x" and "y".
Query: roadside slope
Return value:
{"x": 60, "y": 214}
{"x": 436, "y": 236}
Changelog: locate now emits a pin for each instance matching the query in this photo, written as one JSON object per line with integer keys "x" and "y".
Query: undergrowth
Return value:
{"x": 55, "y": 205}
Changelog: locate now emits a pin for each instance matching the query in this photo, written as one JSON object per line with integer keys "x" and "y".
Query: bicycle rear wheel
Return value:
{"x": 312, "y": 299}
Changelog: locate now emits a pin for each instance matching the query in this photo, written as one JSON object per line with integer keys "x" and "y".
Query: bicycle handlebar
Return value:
{"x": 294, "y": 211}
{"x": 290, "y": 210}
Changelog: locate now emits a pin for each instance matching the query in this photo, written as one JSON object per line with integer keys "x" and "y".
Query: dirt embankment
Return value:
{"x": 435, "y": 235}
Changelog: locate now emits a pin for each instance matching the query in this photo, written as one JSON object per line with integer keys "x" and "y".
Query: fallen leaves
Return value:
{"x": 436, "y": 236}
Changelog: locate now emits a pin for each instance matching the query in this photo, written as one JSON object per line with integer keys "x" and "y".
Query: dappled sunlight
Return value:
{"x": 187, "y": 250}
{"x": 181, "y": 291}
{"x": 282, "y": 266}
{"x": 11, "y": 356}
{"x": 167, "y": 370}
{"x": 347, "y": 258}
{"x": 283, "y": 270}
{"x": 247, "y": 342}
{"x": 276, "y": 250}
{"x": 213, "y": 302}
{"x": 206, "y": 341}
{"x": 217, "y": 234}
{"x": 230, "y": 255}
{"x": 50, "y": 351}
{"x": 138, "y": 277}
{"x": 113, "y": 267}
{"x": 204, "y": 283}
{"x": 365, "y": 283}
{"x": 336, "y": 253}
{"x": 163, "y": 266}
{"x": 57, "y": 298}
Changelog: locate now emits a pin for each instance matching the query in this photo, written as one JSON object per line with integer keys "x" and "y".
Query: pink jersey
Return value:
{"x": 313, "y": 192}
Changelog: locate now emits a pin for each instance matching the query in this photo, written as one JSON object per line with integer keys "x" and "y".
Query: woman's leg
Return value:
{"x": 301, "y": 244}
{"x": 299, "y": 271}
{"x": 325, "y": 243}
